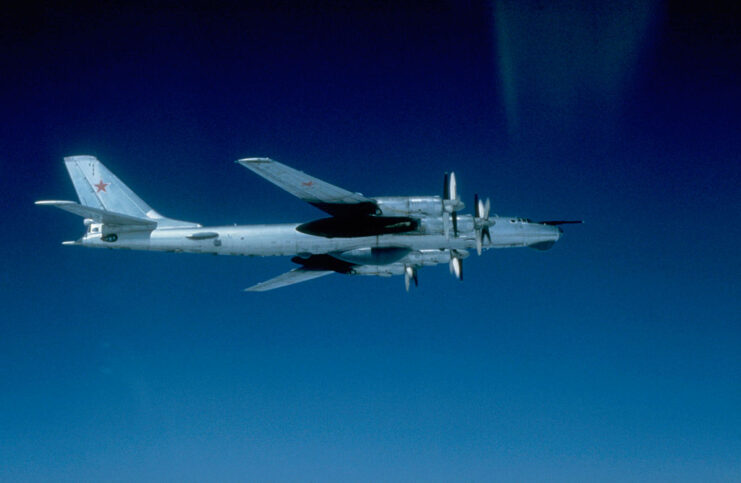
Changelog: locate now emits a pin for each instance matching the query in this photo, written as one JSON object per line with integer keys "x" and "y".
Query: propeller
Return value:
{"x": 481, "y": 221}
{"x": 410, "y": 273}
{"x": 451, "y": 202}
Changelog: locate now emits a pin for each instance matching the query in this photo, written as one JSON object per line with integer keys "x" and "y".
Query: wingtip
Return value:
{"x": 246, "y": 161}
{"x": 52, "y": 202}
{"x": 80, "y": 158}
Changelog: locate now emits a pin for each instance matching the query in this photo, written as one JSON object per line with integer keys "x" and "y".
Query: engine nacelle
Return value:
{"x": 410, "y": 205}
{"x": 379, "y": 270}
{"x": 422, "y": 258}
{"x": 418, "y": 258}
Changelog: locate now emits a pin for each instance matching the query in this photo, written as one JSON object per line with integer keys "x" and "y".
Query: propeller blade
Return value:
{"x": 451, "y": 203}
{"x": 481, "y": 208}
{"x": 481, "y": 221}
{"x": 410, "y": 273}
{"x": 480, "y": 234}
{"x": 456, "y": 268}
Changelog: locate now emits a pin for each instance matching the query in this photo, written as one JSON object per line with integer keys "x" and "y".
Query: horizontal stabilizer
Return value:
{"x": 101, "y": 216}
{"x": 289, "y": 278}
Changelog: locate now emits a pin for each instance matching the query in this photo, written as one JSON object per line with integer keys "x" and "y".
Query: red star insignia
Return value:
{"x": 101, "y": 186}
{"x": 307, "y": 183}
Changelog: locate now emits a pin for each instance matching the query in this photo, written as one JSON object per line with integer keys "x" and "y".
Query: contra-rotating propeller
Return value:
{"x": 481, "y": 222}
{"x": 451, "y": 202}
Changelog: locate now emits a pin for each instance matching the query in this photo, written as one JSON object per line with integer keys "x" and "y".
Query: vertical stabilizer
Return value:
{"x": 98, "y": 188}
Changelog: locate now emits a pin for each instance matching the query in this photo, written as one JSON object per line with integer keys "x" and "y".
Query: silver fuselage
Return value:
{"x": 285, "y": 240}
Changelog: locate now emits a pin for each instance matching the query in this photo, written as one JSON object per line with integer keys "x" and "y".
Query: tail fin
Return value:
{"x": 98, "y": 188}
{"x": 105, "y": 197}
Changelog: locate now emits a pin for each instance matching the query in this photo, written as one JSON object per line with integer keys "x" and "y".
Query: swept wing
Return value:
{"x": 327, "y": 197}
{"x": 297, "y": 275}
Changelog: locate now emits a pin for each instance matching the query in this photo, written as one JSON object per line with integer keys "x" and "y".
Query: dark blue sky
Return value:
{"x": 614, "y": 356}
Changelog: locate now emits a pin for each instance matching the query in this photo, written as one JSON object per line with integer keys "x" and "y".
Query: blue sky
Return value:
{"x": 613, "y": 356}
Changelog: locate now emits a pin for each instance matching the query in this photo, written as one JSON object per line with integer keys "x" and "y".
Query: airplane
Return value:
{"x": 382, "y": 236}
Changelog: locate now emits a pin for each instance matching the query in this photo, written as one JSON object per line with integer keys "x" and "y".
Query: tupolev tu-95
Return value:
{"x": 382, "y": 235}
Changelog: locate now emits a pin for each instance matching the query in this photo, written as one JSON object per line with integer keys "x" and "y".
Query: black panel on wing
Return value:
{"x": 324, "y": 262}
{"x": 347, "y": 210}
{"x": 350, "y": 227}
